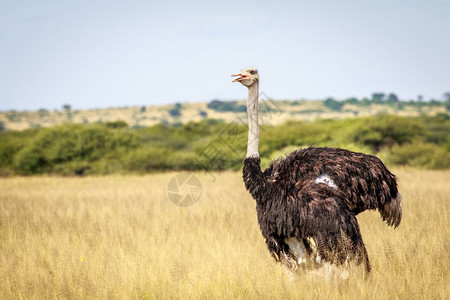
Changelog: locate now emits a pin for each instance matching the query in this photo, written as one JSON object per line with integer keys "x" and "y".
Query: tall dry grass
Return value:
{"x": 120, "y": 237}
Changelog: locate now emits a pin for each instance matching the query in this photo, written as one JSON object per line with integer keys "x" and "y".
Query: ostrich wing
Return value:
{"x": 364, "y": 179}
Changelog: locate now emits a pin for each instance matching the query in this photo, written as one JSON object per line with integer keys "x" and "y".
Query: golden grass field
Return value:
{"x": 120, "y": 237}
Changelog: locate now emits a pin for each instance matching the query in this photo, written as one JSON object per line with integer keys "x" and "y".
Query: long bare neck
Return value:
{"x": 253, "y": 127}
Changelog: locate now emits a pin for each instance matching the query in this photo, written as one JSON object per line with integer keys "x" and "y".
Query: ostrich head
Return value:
{"x": 247, "y": 76}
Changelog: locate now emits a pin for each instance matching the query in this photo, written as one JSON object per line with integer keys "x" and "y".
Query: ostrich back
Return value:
{"x": 363, "y": 179}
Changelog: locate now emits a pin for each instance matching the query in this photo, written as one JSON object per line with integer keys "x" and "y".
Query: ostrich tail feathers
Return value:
{"x": 392, "y": 211}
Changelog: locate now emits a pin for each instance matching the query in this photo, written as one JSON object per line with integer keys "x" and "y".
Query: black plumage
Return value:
{"x": 292, "y": 203}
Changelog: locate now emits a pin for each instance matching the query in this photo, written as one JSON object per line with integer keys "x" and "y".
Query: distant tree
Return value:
{"x": 447, "y": 97}
{"x": 204, "y": 114}
{"x": 2, "y": 126}
{"x": 392, "y": 98}
{"x": 351, "y": 101}
{"x": 419, "y": 98}
{"x": 67, "y": 107}
{"x": 178, "y": 106}
{"x": 435, "y": 102}
{"x": 296, "y": 103}
{"x": 333, "y": 104}
{"x": 378, "y": 98}
{"x": 42, "y": 112}
{"x": 175, "y": 112}
{"x": 365, "y": 101}
{"x": 447, "y": 100}
{"x": 143, "y": 108}
{"x": 222, "y": 106}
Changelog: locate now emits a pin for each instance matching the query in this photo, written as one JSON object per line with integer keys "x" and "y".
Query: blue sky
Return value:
{"x": 118, "y": 53}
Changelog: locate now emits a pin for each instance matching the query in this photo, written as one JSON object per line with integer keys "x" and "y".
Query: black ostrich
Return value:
{"x": 307, "y": 202}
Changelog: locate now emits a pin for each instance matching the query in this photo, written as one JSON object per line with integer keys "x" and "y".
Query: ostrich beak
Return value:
{"x": 242, "y": 76}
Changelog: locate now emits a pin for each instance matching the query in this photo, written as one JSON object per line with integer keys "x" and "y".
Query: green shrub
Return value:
{"x": 74, "y": 168}
{"x": 437, "y": 128}
{"x": 386, "y": 131}
{"x": 422, "y": 155}
{"x": 117, "y": 124}
{"x": 213, "y": 145}
{"x": 30, "y": 161}
{"x": 184, "y": 161}
{"x": 11, "y": 143}
{"x": 67, "y": 143}
{"x": 148, "y": 159}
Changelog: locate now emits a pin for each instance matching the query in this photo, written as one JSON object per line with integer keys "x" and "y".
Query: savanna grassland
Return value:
{"x": 120, "y": 237}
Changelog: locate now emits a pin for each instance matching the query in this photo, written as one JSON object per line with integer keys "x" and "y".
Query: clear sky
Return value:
{"x": 90, "y": 53}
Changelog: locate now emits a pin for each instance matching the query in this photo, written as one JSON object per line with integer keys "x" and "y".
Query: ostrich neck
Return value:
{"x": 254, "y": 179}
{"x": 253, "y": 127}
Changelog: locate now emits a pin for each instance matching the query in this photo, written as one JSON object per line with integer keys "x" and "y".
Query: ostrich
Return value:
{"x": 307, "y": 202}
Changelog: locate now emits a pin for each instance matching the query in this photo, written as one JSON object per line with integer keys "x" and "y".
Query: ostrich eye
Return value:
{"x": 252, "y": 72}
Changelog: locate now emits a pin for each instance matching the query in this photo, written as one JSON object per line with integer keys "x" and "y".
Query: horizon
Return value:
{"x": 97, "y": 55}
{"x": 61, "y": 108}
